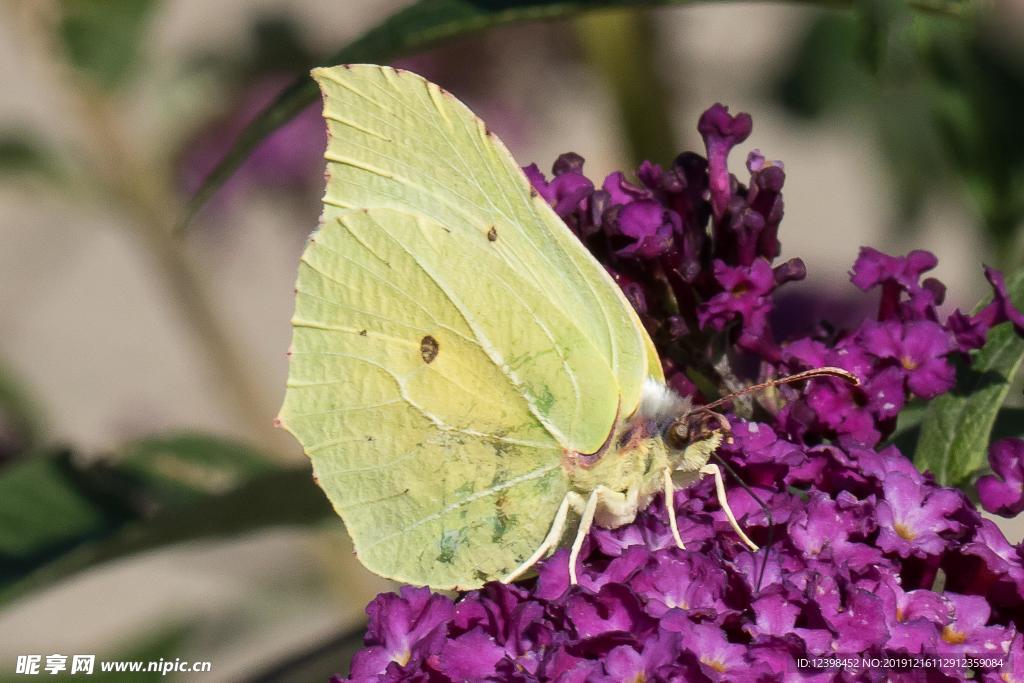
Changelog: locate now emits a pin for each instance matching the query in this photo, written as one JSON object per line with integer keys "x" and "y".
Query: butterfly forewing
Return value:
{"x": 396, "y": 140}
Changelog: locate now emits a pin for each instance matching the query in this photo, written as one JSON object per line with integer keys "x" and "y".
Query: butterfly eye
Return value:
{"x": 677, "y": 435}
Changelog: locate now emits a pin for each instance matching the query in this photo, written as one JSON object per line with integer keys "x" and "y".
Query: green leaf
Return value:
{"x": 957, "y": 426}
{"x": 21, "y": 153}
{"x": 180, "y": 469}
{"x": 44, "y": 511}
{"x": 102, "y": 37}
{"x": 877, "y": 18}
{"x": 52, "y": 502}
{"x": 1009, "y": 423}
{"x": 428, "y": 23}
{"x": 277, "y": 498}
{"x": 908, "y": 426}
{"x": 820, "y": 72}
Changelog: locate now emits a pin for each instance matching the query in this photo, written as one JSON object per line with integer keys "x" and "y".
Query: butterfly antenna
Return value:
{"x": 788, "y": 379}
{"x": 767, "y": 513}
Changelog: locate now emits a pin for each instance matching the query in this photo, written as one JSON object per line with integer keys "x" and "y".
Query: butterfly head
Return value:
{"x": 689, "y": 435}
{"x": 693, "y": 437}
{"x": 692, "y": 434}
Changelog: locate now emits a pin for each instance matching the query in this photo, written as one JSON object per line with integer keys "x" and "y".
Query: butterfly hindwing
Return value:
{"x": 437, "y": 459}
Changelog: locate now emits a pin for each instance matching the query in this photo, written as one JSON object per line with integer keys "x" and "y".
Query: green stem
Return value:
{"x": 621, "y": 47}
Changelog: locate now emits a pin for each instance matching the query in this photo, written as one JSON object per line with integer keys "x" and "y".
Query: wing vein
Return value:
{"x": 477, "y": 495}
{"x": 342, "y": 409}
{"x": 356, "y": 126}
{"x": 331, "y": 302}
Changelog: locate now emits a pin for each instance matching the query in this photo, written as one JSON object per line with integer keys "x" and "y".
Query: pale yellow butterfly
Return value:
{"x": 464, "y": 375}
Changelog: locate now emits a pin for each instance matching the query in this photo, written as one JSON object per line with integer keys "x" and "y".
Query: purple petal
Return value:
{"x": 721, "y": 132}
{"x": 471, "y": 656}
{"x": 614, "y": 608}
{"x": 1002, "y": 493}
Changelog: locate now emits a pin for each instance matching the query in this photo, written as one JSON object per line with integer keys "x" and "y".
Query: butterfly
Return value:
{"x": 467, "y": 380}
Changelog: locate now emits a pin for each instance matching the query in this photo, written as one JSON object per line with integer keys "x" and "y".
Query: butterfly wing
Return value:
{"x": 452, "y": 339}
{"x": 397, "y": 140}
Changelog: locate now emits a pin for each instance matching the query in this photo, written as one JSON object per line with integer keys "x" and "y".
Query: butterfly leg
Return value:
{"x": 572, "y": 500}
{"x": 670, "y": 507}
{"x": 724, "y": 502}
{"x": 614, "y": 502}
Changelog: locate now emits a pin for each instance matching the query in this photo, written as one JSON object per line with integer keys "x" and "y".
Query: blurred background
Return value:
{"x": 147, "y": 507}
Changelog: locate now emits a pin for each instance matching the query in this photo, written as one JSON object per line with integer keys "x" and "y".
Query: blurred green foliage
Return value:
{"x": 53, "y": 501}
{"x": 22, "y": 154}
{"x": 103, "y": 37}
{"x": 45, "y": 511}
{"x": 943, "y": 98}
{"x": 621, "y": 47}
{"x": 60, "y": 512}
{"x": 182, "y": 469}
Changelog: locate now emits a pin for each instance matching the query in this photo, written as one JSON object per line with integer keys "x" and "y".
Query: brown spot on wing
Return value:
{"x": 492, "y": 234}
{"x": 428, "y": 349}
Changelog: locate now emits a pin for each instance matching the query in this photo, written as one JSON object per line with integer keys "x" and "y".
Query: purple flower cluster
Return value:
{"x": 860, "y": 540}
{"x": 693, "y": 249}
{"x": 861, "y": 554}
